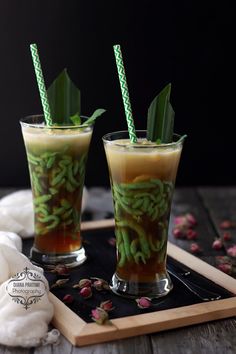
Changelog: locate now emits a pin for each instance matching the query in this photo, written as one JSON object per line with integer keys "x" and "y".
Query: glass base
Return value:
{"x": 70, "y": 259}
{"x": 161, "y": 287}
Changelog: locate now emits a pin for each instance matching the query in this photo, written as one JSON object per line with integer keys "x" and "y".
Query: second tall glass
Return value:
{"x": 142, "y": 179}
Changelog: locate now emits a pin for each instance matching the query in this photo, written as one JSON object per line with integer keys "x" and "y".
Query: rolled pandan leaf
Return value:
{"x": 160, "y": 121}
{"x": 64, "y": 99}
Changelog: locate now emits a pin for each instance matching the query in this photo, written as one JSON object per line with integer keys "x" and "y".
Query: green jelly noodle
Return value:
{"x": 52, "y": 172}
{"x": 133, "y": 202}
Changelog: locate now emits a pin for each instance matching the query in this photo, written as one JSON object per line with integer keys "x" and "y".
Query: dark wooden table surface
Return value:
{"x": 210, "y": 206}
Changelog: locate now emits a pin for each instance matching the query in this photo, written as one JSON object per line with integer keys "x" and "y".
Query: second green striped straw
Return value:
{"x": 125, "y": 93}
{"x": 41, "y": 84}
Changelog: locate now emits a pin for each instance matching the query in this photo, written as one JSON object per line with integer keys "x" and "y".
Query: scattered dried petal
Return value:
{"x": 59, "y": 283}
{"x": 191, "y": 219}
{"x": 227, "y": 236}
{"x": 99, "y": 315}
{"x": 184, "y": 226}
{"x": 177, "y": 232}
{"x": 225, "y": 267}
{"x": 86, "y": 292}
{"x": 194, "y": 248}
{"x": 191, "y": 234}
{"x": 83, "y": 283}
{"x": 180, "y": 220}
{"x": 68, "y": 299}
{"x": 107, "y": 305}
{"x": 217, "y": 244}
{"x": 144, "y": 302}
{"x": 187, "y": 220}
{"x": 231, "y": 251}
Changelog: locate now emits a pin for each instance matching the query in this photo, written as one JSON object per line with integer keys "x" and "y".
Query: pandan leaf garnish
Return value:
{"x": 94, "y": 116}
{"x": 76, "y": 120}
{"x": 64, "y": 99}
{"x": 160, "y": 120}
{"x": 65, "y": 103}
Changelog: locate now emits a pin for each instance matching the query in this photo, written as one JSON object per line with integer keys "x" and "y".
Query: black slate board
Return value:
{"x": 101, "y": 263}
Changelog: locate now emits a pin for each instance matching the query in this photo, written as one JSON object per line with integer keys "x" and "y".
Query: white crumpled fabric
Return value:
{"x": 18, "y": 326}
{"x": 16, "y": 212}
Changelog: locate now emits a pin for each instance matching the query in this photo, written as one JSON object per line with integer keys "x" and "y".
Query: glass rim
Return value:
{"x": 180, "y": 139}
{"x": 25, "y": 122}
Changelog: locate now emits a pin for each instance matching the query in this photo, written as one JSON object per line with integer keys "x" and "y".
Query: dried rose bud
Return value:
{"x": 227, "y": 224}
{"x": 68, "y": 299}
{"x": 60, "y": 269}
{"x": 100, "y": 284}
{"x": 59, "y": 283}
{"x": 144, "y": 302}
{"x": 176, "y": 232}
{"x": 194, "y": 248}
{"x": 179, "y": 232}
{"x": 217, "y": 244}
{"x": 182, "y": 230}
{"x": 83, "y": 283}
{"x": 99, "y": 315}
{"x": 227, "y": 236}
{"x": 107, "y": 305}
{"x": 231, "y": 251}
{"x": 225, "y": 267}
{"x": 180, "y": 220}
{"x": 112, "y": 241}
{"x": 191, "y": 219}
{"x": 191, "y": 234}
{"x": 186, "y": 220}
{"x": 86, "y": 292}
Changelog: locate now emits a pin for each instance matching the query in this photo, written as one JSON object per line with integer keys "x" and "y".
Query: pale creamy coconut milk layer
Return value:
{"x": 127, "y": 162}
{"x": 40, "y": 139}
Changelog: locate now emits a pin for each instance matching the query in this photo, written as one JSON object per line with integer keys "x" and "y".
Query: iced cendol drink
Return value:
{"x": 142, "y": 167}
{"x": 57, "y": 144}
{"x": 57, "y": 158}
{"x": 142, "y": 178}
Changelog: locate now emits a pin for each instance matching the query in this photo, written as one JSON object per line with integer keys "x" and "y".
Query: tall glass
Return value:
{"x": 57, "y": 158}
{"x": 142, "y": 177}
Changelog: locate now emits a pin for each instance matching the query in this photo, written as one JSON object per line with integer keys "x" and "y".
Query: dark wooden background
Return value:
{"x": 190, "y": 44}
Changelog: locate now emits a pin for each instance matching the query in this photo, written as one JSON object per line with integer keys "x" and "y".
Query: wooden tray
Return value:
{"x": 80, "y": 333}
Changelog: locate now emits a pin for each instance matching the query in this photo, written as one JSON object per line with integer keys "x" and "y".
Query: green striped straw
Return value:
{"x": 41, "y": 83}
{"x": 125, "y": 93}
